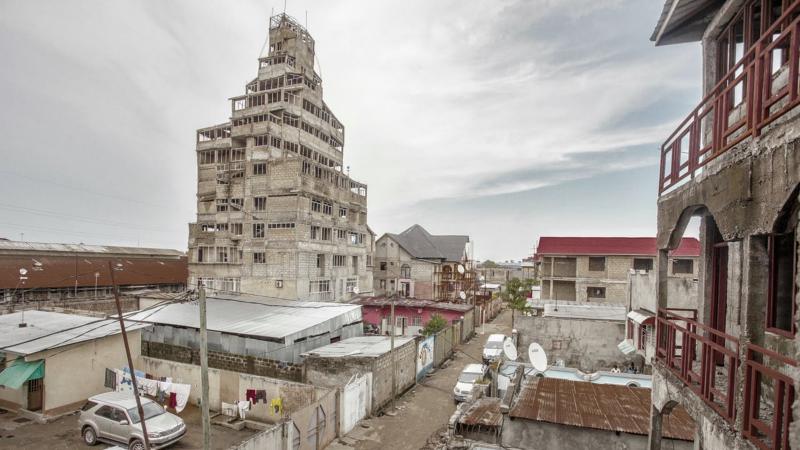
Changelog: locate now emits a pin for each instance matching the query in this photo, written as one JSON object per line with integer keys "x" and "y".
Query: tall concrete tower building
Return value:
{"x": 276, "y": 213}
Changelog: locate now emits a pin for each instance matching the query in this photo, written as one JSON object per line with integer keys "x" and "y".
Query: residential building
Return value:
{"x": 52, "y": 362}
{"x": 262, "y": 336}
{"x": 411, "y": 315}
{"x": 37, "y": 271}
{"x": 563, "y": 414}
{"x": 596, "y": 269}
{"x": 733, "y": 163}
{"x": 418, "y": 264}
{"x": 501, "y": 272}
{"x": 277, "y": 213}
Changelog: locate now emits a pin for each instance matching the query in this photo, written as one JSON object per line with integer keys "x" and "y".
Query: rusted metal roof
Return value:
{"x": 485, "y": 412}
{"x": 58, "y": 271}
{"x": 599, "y": 406}
{"x": 606, "y": 246}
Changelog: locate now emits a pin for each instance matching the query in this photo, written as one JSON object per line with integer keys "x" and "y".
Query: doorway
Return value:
{"x": 35, "y": 391}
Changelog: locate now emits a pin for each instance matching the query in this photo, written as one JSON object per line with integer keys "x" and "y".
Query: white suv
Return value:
{"x": 113, "y": 417}
{"x": 472, "y": 373}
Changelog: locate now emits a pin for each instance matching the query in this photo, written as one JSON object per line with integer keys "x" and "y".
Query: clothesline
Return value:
{"x": 173, "y": 395}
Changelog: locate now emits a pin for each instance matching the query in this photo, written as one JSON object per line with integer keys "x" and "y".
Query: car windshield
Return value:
{"x": 151, "y": 409}
{"x": 494, "y": 345}
{"x": 468, "y": 377}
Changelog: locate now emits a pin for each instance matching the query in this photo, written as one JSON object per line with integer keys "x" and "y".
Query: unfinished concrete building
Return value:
{"x": 732, "y": 361}
{"x": 276, "y": 213}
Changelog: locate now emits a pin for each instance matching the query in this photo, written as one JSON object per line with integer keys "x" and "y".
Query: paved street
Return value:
{"x": 425, "y": 409}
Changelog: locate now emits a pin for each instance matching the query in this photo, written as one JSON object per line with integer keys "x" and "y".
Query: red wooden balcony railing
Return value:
{"x": 705, "y": 359}
{"x": 756, "y": 91}
{"x": 769, "y": 394}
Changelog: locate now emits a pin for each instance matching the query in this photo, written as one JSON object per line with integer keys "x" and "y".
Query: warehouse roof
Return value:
{"x": 364, "y": 346}
{"x": 62, "y": 270}
{"x": 599, "y": 406}
{"x": 48, "y": 330}
{"x": 22, "y": 247}
{"x": 257, "y": 316}
{"x": 606, "y": 246}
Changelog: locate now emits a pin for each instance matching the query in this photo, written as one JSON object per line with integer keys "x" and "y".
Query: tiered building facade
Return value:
{"x": 277, "y": 215}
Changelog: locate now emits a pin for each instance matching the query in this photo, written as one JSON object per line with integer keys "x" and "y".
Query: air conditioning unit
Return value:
{"x": 278, "y": 284}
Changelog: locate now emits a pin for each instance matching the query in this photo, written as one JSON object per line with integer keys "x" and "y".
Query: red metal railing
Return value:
{"x": 766, "y": 421}
{"x": 677, "y": 345}
{"x": 752, "y": 94}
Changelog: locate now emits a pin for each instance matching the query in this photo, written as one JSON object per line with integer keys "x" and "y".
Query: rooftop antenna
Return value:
{"x": 284, "y": 6}
{"x": 306, "y": 19}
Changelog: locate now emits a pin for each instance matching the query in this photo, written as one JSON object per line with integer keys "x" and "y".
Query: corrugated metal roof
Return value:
{"x": 485, "y": 412}
{"x": 58, "y": 271}
{"x": 364, "y": 346}
{"x": 411, "y": 303}
{"x": 684, "y": 20}
{"x": 47, "y": 330}
{"x": 599, "y": 406}
{"x": 641, "y": 316}
{"x": 606, "y": 246}
{"x": 47, "y": 247}
{"x": 257, "y": 316}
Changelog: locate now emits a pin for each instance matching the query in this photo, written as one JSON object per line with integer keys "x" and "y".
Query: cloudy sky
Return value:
{"x": 505, "y": 120}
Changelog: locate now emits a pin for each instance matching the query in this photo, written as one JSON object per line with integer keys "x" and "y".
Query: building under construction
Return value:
{"x": 276, "y": 213}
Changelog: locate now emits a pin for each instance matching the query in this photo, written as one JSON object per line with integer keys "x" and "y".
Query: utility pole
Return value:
{"x": 130, "y": 360}
{"x": 204, "y": 370}
{"x": 391, "y": 351}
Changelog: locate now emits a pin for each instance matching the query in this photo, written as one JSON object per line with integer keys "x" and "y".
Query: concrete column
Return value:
{"x": 662, "y": 279}
{"x": 654, "y": 439}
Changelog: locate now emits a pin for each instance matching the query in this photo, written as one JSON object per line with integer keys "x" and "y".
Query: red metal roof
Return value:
{"x": 624, "y": 246}
{"x": 60, "y": 271}
{"x": 600, "y": 406}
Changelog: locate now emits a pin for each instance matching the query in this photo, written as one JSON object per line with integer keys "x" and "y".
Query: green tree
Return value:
{"x": 488, "y": 264}
{"x": 435, "y": 325}
{"x": 515, "y": 294}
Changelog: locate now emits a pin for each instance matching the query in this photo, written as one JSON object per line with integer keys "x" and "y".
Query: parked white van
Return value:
{"x": 493, "y": 347}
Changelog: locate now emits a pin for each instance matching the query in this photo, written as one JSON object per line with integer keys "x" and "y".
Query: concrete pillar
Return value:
{"x": 662, "y": 278}
{"x": 654, "y": 438}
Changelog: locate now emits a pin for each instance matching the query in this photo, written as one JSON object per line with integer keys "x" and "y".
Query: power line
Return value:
{"x": 84, "y": 219}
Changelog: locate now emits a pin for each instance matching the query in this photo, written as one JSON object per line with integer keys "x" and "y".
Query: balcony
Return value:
{"x": 707, "y": 362}
{"x": 760, "y": 88}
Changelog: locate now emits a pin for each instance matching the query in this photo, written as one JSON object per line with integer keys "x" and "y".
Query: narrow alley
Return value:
{"x": 424, "y": 410}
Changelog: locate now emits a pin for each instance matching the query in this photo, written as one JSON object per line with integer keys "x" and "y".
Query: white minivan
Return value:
{"x": 472, "y": 373}
{"x": 493, "y": 348}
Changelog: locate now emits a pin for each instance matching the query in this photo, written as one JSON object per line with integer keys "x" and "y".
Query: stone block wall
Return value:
{"x": 225, "y": 361}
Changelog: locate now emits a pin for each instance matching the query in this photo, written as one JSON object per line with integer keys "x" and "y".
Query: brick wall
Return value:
{"x": 225, "y": 361}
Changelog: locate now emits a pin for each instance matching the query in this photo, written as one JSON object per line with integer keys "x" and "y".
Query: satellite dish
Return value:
{"x": 23, "y": 272}
{"x": 460, "y": 269}
{"x": 355, "y": 290}
{"x": 462, "y": 295}
{"x": 537, "y": 357}
{"x": 510, "y": 350}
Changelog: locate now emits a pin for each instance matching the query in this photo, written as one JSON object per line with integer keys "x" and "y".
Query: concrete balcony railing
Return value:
{"x": 760, "y": 88}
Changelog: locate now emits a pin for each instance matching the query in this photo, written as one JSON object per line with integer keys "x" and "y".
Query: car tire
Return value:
{"x": 136, "y": 444}
{"x": 89, "y": 436}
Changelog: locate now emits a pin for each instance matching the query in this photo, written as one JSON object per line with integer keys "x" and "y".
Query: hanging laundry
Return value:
{"x": 244, "y": 406}
{"x": 250, "y": 395}
{"x": 231, "y": 409}
{"x": 173, "y": 402}
{"x": 276, "y": 405}
{"x": 261, "y": 395}
{"x": 147, "y": 386}
{"x": 124, "y": 382}
{"x": 181, "y": 392}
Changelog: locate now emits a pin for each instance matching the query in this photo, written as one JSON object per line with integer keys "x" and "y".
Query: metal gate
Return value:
{"x": 356, "y": 401}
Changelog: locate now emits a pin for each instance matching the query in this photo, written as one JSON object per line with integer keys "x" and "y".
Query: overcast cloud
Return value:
{"x": 505, "y": 120}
